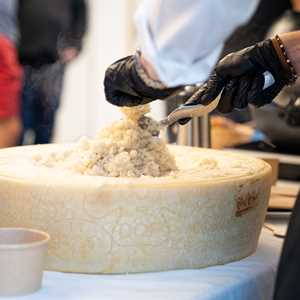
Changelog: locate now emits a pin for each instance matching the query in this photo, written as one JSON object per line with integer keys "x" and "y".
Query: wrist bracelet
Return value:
{"x": 285, "y": 61}
{"x": 156, "y": 84}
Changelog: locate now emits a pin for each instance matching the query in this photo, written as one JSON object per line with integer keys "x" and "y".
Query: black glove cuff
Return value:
{"x": 141, "y": 87}
{"x": 156, "y": 84}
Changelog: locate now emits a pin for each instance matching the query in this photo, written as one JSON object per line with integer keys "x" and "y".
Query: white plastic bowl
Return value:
{"x": 22, "y": 253}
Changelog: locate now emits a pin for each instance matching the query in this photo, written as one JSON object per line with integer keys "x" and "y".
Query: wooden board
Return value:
{"x": 283, "y": 196}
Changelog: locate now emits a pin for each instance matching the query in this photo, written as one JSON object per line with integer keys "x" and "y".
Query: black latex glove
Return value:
{"x": 239, "y": 76}
{"x": 124, "y": 87}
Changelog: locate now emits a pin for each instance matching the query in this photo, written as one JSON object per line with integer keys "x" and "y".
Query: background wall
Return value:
{"x": 110, "y": 36}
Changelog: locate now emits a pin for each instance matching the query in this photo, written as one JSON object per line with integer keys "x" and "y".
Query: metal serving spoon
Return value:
{"x": 197, "y": 110}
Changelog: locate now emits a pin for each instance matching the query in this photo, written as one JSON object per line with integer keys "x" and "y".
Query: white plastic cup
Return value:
{"x": 22, "y": 254}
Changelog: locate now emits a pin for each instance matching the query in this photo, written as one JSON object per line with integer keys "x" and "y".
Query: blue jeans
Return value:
{"x": 40, "y": 101}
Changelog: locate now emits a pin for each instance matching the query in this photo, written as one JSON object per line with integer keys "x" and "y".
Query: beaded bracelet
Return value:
{"x": 285, "y": 61}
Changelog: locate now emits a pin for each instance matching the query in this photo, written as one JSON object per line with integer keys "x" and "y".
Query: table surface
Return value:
{"x": 247, "y": 279}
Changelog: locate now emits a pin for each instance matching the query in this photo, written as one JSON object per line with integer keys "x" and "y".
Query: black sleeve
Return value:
{"x": 78, "y": 24}
{"x": 287, "y": 285}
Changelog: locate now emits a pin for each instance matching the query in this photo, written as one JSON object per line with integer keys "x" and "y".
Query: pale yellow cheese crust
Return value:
{"x": 209, "y": 212}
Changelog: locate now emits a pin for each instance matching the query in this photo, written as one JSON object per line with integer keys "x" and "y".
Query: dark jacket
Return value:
{"x": 46, "y": 26}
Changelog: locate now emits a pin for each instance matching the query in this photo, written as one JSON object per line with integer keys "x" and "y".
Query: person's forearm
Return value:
{"x": 291, "y": 43}
{"x": 148, "y": 68}
{"x": 296, "y": 5}
{"x": 290, "y": 40}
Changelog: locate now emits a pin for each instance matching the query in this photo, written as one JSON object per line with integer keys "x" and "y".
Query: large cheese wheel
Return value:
{"x": 209, "y": 212}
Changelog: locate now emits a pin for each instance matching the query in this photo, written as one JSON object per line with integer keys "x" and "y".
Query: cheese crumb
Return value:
{"x": 123, "y": 149}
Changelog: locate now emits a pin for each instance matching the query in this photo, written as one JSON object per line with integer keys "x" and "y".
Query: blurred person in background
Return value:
{"x": 51, "y": 34}
{"x": 10, "y": 76}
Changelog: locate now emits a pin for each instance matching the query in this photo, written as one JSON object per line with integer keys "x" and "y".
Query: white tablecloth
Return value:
{"x": 248, "y": 279}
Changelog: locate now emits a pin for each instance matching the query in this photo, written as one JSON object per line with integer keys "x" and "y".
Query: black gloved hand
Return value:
{"x": 239, "y": 76}
{"x": 123, "y": 85}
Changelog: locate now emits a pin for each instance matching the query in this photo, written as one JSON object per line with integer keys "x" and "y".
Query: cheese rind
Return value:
{"x": 209, "y": 212}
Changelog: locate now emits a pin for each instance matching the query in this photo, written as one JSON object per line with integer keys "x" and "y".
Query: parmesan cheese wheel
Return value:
{"x": 208, "y": 212}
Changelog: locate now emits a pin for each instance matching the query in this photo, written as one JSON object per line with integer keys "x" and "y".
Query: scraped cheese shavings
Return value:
{"x": 123, "y": 149}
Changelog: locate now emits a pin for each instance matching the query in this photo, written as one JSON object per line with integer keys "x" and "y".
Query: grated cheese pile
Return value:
{"x": 124, "y": 149}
